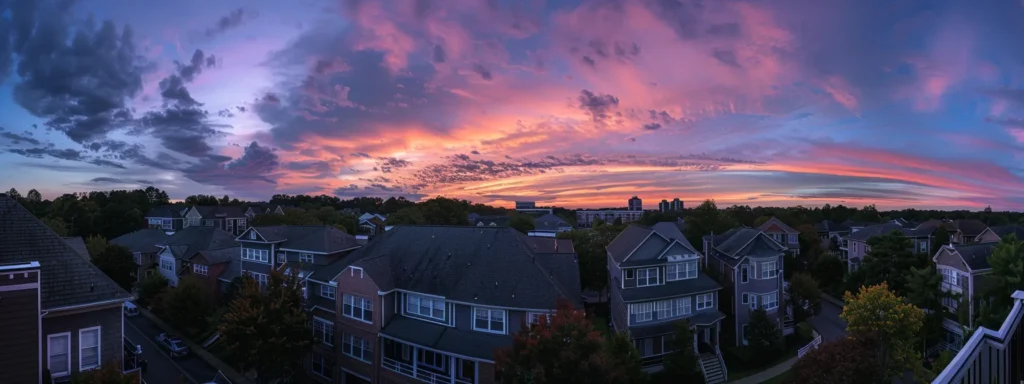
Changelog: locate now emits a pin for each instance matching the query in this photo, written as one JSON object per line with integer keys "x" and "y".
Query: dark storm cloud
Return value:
{"x": 234, "y": 19}
{"x": 252, "y": 170}
{"x": 377, "y": 190}
{"x": 598, "y": 106}
{"x": 652, "y": 126}
{"x": 18, "y": 139}
{"x": 106, "y": 163}
{"x": 312, "y": 168}
{"x": 39, "y": 152}
{"x": 79, "y": 82}
{"x": 360, "y": 154}
{"x": 726, "y": 57}
{"x": 483, "y": 72}
{"x": 388, "y": 164}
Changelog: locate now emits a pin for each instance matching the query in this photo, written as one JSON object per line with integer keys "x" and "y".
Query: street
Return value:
{"x": 828, "y": 323}
{"x": 162, "y": 369}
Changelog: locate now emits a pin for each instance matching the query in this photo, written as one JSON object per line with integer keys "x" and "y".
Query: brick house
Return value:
{"x": 431, "y": 303}
{"x": 58, "y": 312}
{"x": 178, "y": 250}
{"x": 230, "y": 218}
{"x": 782, "y": 234}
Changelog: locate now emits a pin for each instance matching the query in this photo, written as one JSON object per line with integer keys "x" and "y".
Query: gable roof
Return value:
{"x": 67, "y": 279}
{"x": 221, "y": 211}
{"x": 1006, "y": 230}
{"x": 737, "y": 243}
{"x": 312, "y": 238}
{"x": 222, "y": 255}
{"x": 549, "y": 222}
{"x": 172, "y": 211}
{"x": 870, "y": 231}
{"x": 969, "y": 227}
{"x": 188, "y": 241}
{"x": 639, "y": 245}
{"x": 489, "y": 266}
{"x": 975, "y": 255}
{"x": 78, "y": 244}
{"x": 626, "y": 241}
{"x": 142, "y": 241}
{"x": 831, "y": 226}
{"x": 775, "y": 221}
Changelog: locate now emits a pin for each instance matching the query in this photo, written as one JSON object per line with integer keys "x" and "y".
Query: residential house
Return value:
{"x": 78, "y": 244}
{"x": 655, "y": 280}
{"x": 549, "y": 225}
{"x": 830, "y": 231}
{"x": 260, "y": 209}
{"x": 145, "y": 246}
{"x": 210, "y": 266}
{"x": 991, "y": 355}
{"x": 782, "y": 234}
{"x": 966, "y": 231}
{"x": 964, "y": 269}
{"x": 432, "y": 303}
{"x": 167, "y": 217}
{"x": 372, "y": 223}
{"x": 230, "y": 218}
{"x": 176, "y": 252}
{"x": 997, "y": 233}
{"x": 490, "y": 221}
{"x": 857, "y": 242}
{"x": 58, "y": 313}
{"x": 748, "y": 263}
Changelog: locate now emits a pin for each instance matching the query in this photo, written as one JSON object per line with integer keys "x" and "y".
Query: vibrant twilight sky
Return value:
{"x": 574, "y": 103}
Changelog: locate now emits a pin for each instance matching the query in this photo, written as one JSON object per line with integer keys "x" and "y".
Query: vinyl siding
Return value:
{"x": 111, "y": 338}
{"x": 19, "y": 329}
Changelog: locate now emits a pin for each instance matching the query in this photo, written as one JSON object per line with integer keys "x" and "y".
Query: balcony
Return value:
{"x": 427, "y": 366}
{"x": 131, "y": 361}
{"x": 991, "y": 356}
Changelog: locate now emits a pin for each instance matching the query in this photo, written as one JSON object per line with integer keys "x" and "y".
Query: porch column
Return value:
{"x": 451, "y": 370}
{"x": 694, "y": 333}
{"x": 415, "y": 356}
{"x": 718, "y": 333}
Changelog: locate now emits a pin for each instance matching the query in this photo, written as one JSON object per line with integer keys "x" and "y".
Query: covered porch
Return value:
{"x": 427, "y": 365}
{"x": 654, "y": 341}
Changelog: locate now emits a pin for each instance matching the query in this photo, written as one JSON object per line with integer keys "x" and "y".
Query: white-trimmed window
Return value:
{"x": 682, "y": 306}
{"x": 949, "y": 276}
{"x": 753, "y": 301}
{"x": 705, "y": 301}
{"x": 356, "y": 347}
{"x": 306, "y": 258}
{"x": 241, "y": 223}
{"x": 261, "y": 278}
{"x": 489, "y": 320}
{"x": 769, "y": 269}
{"x": 744, "y": 274}
{"x": 200, "y": 269}
{"x": 429, "y": 307}
{"x": 327, "y": 291}
{"x": 260, "y": 255}
{"x": 745, "y": 298}
{"x": 923, "y": 247}
{"x": 647, "y": 277}
{"x": 252, "y": 235}
{"x": 770, "y": 301}
{"x": 357, "y": 307}
{"x": 322, "y": 365}
{"x": 642, "y": 312}
{"x": 192, "y": 223}
{"x": 433, "y": 359}
{"x": 793, "y": 239}
{"x": 664, "y": 309}
{"x": 324, "y": 330}
{"x": 208, "y": 223}
{"x": 167, "y": 265}
{"x": 59, "y": 354}
{"x": 534, "y": 317}
{"x": 681, "y": 271}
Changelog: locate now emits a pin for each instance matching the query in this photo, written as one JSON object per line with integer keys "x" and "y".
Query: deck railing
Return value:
{"x": 991, "y": 346}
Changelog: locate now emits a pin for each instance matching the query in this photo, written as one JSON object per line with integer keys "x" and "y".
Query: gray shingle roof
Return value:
{"x": 167, "y": 211}
{"x": 970, "y": 227}
{"x": 647, "y": 244}
{"x": 831, "y": 226}
{"x": 677, "y": 288}
{"x": 550, "y": 222}
{"x": 467, "y": 343}
{"x": 870, "y": 231}
{"x": 79, "y": 245}
{"x": 498, "y": 221}
{"x": 775, "y": 221}
{"x": 737, "y": 243}
{"x": 67, "y": 279}
{"x": 493, "y": 266}
{"x": 221, "y": 211}
{"x": 143, "y": 240}
{"x": 186, "y": 242}
{"x": 976, "y": 255}
{"x": 550, "y": 245}
{"x": 702, "y": 318}
{"x": 222, "y": 255}
{"x": 1006, "y": 230}
{"x": 313, "y": 238}
{"x": 626, "y": 241}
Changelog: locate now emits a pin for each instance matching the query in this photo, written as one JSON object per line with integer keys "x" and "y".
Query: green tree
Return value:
{"x": 565, "y": 348}
{"x": 681, "y": 363}
{"x": 593, "y": 259}
{"x": 34, "y": 196}
{"x": 828, "y": 271}
{"x": 1007, "y": 275}
{"x": 151, "y": 288}
{"x": 56, "y": 225}
{"x": 267, "y": 331}
{"x": 890, "y": 259}
{"x": 810, "y": 243}
{"x": 290, "y": 217}
{"x": 923, "y": 291}
{"x": 760, "y": 221}
{"x": 876, "y": 313}
{"x": 843, "y": 361}
{"x": 232, "y": 290}
{"x": 763, "y": 335}
{"x": 95, "y": 244}
{"x": 201, "y": 200}
{"x": 407, "y": 216}
{"x": 705, "y": 219}
{"x": 939, "y": 238}
{"x": 13, "y": 193}
{"x": 522, "y": 223}
{"x": 804, "y": 295}
{"x": 187, "y": 306}
{"x": 445, "y": 211}
{"x": 118, "y": 264}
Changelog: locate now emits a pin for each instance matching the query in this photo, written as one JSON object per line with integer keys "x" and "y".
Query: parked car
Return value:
{"x": 130, "y": 309}
{"x": 174, "y": 346}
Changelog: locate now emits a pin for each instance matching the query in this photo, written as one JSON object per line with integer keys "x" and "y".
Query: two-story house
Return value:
{"x": 59, "y": 315}
{"x": 655, "y": 280}
{"x": 549, "y": 225}
{"x": 230, "y": 218}
{"x": 167, "y": 217}
{"x": 145, "y": 245}
{"x": 782, "y": 234}
{"x": 830, "y": 231}
{"x": 964, "y": 269}
{"x": 857, "y": 242}
{"x": 966, "y": 231}
{"x": 433, "y": 303}
{"x": 176, "y": 252}
{"x": 748, "y": 264}
{"x": 997, "y": 233}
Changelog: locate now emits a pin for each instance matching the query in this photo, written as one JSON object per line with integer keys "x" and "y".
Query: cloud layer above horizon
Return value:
{"x": 572, "y": 103}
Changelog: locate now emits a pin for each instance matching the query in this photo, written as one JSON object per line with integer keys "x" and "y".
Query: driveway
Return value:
{"x": 162, "y": 369}
{"x": 828, "y": 323}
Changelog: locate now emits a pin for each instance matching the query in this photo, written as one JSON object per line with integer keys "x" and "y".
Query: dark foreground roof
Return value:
{"x": 79, "y": 245}
{"x": 67, "y": 278}
{"x": 463, "y": 342}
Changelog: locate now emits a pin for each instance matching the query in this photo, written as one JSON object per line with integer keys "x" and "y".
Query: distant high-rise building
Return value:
{"x": 526, "y": 204}
{"x": 635, "y": 204}
{"x": 664, "y": 206}
{"x": 677, "y": 205}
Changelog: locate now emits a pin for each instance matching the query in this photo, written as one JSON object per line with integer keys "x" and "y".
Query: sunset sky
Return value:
{"x": 571, "y": 103}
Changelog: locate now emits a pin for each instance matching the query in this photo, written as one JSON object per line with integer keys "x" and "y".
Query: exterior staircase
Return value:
{"x": 713, "y": 367}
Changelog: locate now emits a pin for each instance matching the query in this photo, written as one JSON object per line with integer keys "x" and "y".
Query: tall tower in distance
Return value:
{"x": 664, "y": 206}
{"x": 635, "y": 204}
{"x": 677, "y": 205}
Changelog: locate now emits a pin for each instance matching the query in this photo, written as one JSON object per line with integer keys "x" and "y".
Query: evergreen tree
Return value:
{"x": 763, "y": 335}
{"x": 118, "y": 264}
{"x": 681, "y": 363}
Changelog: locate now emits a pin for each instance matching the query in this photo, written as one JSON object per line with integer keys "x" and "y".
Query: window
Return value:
{"x": 306, "y": 258}
{"x": 629, "y": 273}
{"x": 952, "y": 303}
{"x": 753, "y": 301}
{"x": 241, "y": 223}
{"x": 356, "y": 347}
{"x": 923, "y": 247}
{"x": 682, "y": 306}
{"x": 949, "y": 276}
{"x": 260, "y": 277}
{"x": 327, "y": 291}
{"x": 745, "y": 299}
{"x": 744, "y": 274}
{"x": 793, "y": 239}
{"x": 357, "y": 308}
{"x": 252, "y": 235}
{"x": 199, "y": 269}
{"x": 59, "y": 354}
{"x": 534, "y": 317}
{"x": 322, "y": 366}
{"x": 664, "y": 308}
{"x": 167, "y": 223}
{"x": 769, "y": 269}
{"x": 429, "y": 307}
{"x": 323, "y": 330}
{"x": 680, "y": 271}
{"x": 770, "y": 301}
{"x": 167, "y": 265}
{"x": 192, "y": 223}
{"x": 207, "y": 223}
{"x": 155, "y": 221}
{"x": 705, "y": 301}
{"x": 646, "y": 277}
{"x": 433, "y": 359}
{"x": 642, "y": 312}
{"x": 260, "y": 255}
{"x": 489, "y": 320}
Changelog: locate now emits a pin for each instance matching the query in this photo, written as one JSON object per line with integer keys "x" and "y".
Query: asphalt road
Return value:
{"x": 828, "y": 323}
{"x": 162, "y": 369}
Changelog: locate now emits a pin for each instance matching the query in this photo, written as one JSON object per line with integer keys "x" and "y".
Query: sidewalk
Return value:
{"x": 768, "y": 373}
{"x": 198, "y": 351}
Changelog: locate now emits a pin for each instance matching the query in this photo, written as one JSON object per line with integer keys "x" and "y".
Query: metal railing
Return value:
{"x": 130, "y": 361}
{"x": 980, "y": 346}
{"x": 721, "y": 361}
{"x": 423, "y": 375}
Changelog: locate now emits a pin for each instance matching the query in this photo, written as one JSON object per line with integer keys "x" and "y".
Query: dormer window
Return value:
{"x": 252, "y": 235}
{"x": 647, "y": 277}
{"x": 681, "y": 271}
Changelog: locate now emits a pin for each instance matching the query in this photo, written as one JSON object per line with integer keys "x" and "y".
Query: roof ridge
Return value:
{"x": 550, "y": 277}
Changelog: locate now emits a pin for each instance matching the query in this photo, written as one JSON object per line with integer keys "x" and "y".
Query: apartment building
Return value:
{"x": 748, "y": 264}
{"x": 585, "y": 219}
{"x": 655, "y": 280}
{"x": 432, "y": 304}
{"x": 167, "y": 217}
{"x": 59, "y": 315}
{"x": 964, "y": 270}
{"x": 782, "y": 234}
{"x": 636, "y": 204}
{"x": 306, "y": 248}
